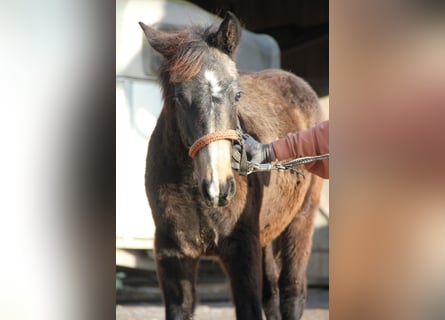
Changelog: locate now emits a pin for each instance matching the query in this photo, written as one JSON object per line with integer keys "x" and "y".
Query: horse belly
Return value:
{"x": 283, "y": 198}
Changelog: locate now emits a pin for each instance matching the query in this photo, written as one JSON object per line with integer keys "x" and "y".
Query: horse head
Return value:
{"x": 200, "y": 81}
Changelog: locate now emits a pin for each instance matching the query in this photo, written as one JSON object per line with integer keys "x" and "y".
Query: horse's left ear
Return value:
{"x": 162, "y": 42}
{"x": 228, "y": 35}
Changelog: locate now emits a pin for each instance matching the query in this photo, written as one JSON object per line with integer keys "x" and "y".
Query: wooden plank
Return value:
{"x": 134, "y": 243}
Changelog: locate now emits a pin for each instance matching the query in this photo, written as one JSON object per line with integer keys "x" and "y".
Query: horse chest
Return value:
{"x": 189, "y": 222}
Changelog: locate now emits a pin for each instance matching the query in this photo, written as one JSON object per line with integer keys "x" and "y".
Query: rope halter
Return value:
{"x": 212, "y": 137}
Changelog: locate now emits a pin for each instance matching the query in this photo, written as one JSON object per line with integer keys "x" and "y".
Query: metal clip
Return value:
{"x": 259, "y": 167}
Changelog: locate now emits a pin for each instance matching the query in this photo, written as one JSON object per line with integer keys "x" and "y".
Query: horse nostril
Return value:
{"x": 205, "y": 190}
{"x": 227, "y": 192}
{"x": 231, "y": 186}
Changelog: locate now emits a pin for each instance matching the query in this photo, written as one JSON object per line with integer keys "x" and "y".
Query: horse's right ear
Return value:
{"x": 159, "y": 40}
{"x": 228, "y": 35}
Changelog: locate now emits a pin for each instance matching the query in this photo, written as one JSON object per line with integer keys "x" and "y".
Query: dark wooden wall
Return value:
{"x": 301, "y": 28}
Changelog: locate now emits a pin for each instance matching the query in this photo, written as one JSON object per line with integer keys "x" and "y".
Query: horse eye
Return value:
{"x": 237, "y": 96}
{"x": 180, "y": 99}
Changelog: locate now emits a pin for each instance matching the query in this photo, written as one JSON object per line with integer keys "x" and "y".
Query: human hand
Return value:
{"x": 258, "y": 152}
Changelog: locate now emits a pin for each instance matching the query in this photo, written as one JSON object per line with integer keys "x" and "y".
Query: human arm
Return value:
{"x": 310, "y": 142}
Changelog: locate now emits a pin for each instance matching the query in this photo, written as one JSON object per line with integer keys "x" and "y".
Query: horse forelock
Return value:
{"x": 187, "y": 62}
{"x": 186, "y": 53}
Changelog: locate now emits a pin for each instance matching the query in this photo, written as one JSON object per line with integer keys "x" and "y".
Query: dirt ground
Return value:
{"x": 317, "y": 308}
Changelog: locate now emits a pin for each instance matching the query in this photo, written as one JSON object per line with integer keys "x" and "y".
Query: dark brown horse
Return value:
{"x": 259, "y": 226}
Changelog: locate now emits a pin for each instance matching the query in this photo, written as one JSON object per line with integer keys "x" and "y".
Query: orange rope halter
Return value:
{"x": 211, "y": 137}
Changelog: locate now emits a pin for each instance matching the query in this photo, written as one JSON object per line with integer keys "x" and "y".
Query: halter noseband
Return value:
{"x": 211, "y": 137}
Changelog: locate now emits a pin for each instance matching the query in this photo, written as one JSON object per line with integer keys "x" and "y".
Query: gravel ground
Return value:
{"x": 316, "y": 309}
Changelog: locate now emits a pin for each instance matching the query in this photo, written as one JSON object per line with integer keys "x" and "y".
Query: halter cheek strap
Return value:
{"x": 211, "y": 137}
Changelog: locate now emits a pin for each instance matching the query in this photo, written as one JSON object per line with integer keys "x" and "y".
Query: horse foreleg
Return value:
{"x": 177, "y": 277}
{"x": 271, "y": 299}
{"x": 295, "y": 243}
{"x": 241, "y": 255}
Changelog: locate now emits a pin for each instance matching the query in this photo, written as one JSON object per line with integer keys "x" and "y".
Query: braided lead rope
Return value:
{"x": 250, "y": 167}
{"x": 212, "y": 137}
{"x": 300, "y": 161}
{"x": 287, "y": 165}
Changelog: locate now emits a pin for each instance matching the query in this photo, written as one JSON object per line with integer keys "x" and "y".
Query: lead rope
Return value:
{"x": 298, "y": 161}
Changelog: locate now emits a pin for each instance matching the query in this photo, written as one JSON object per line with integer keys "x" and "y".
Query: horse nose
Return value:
{"x": 218, "y": 194}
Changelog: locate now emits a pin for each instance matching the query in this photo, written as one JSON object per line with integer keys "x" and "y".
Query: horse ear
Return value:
{"x": 228, "y": 35}
{"x": 159, "y": 40}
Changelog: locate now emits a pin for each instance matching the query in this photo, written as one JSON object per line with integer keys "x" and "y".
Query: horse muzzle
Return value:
{"x": 218, "y": 194}
{"x": 213, "y": 154}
